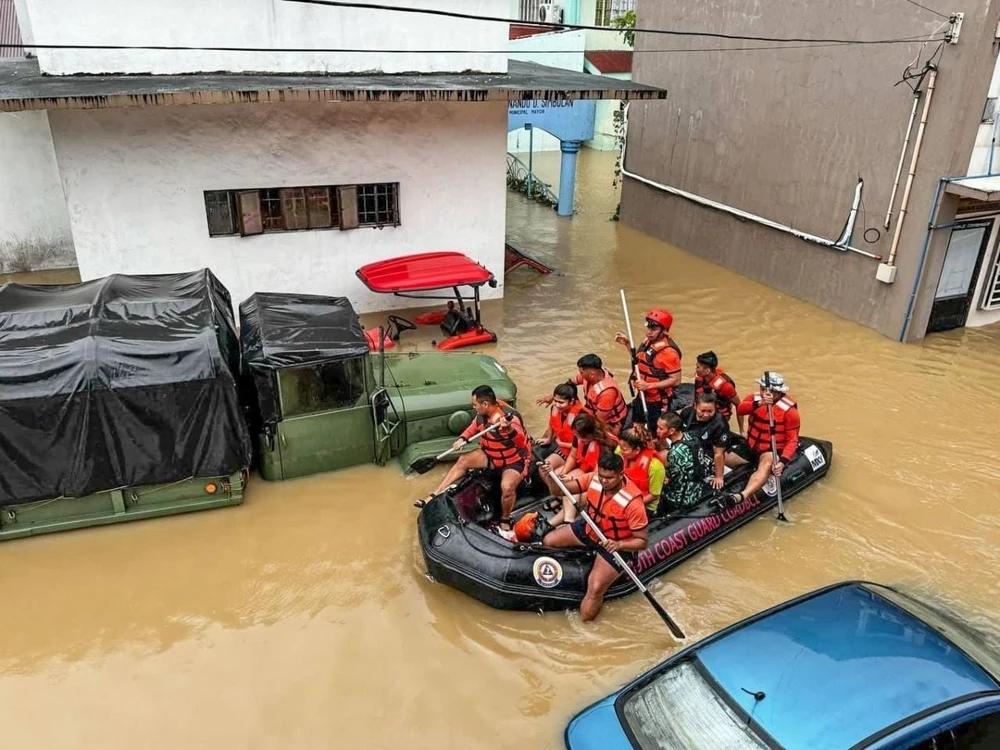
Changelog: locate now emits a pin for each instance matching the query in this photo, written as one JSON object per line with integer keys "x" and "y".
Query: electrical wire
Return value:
{"x": 342, "y": 50}
{"x": 563, "y": 26}
{"x": 929, "y": 10}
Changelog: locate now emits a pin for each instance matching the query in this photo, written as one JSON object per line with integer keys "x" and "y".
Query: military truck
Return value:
{"x": 320, "y": 399}
{"x": 119, "y": 400}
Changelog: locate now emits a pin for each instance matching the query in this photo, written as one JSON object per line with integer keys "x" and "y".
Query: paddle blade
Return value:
{"x": 675, "y": 629}
{"x": 423, "y": 465}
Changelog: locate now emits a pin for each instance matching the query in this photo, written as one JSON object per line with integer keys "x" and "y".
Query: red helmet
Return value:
{"x": 662, "y": 318}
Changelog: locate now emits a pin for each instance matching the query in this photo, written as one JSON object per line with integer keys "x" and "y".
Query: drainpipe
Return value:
{"x": 738, "y": 213}
{"x": 904, "y": 204}
{"x": 902, "y": 156}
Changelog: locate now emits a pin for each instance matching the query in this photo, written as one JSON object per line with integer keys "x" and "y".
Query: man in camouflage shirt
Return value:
{"x": 683, "y": 487}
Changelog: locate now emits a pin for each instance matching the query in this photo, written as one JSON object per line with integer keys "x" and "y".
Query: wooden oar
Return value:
{"x": 425, "y": 464}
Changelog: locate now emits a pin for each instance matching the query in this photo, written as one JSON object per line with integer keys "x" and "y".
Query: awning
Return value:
{"x": 977, "y": 188}
{"x": 424, "y": 272}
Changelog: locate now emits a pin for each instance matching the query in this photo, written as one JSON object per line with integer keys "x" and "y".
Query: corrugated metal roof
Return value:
{"x": 10, "y": 33}
{"x": 610, "y": 60}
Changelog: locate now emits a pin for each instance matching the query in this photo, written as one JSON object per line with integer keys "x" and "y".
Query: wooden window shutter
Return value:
{"x": 249, "y": 212}
{"x": 347, "y": 206}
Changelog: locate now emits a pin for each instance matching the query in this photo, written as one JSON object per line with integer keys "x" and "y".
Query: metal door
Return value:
{"x": 957, "y": 282}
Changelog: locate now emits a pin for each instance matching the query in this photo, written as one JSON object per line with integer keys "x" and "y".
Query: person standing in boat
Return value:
{"x": 710, "y": 378}
{"x": 706, "y": 424}
{"x": 658, "y": 359}
{"x": 683, "y": 486}
{"x": 642, "y": 464}
{"x": 506, "y": 450}
{"x": 557, "y": 442}
{"x": 774, "y": 394}
{"x": 615, "y": 505}
{"x": 603, "y": 397}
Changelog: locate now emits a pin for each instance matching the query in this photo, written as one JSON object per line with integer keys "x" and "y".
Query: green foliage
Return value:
{"x": 626, "y": 22}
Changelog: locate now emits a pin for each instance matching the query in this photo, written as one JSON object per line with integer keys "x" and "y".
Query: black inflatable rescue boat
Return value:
{"x": 462, "y": 551}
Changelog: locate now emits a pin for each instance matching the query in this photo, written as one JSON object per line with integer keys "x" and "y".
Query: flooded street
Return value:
{"x": 303, "y": 619}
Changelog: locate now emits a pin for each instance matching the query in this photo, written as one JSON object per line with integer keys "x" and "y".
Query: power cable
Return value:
{"x": 563, "y": 26}
{"x": 929, "y": 10}
{"x": 177, "y": 48}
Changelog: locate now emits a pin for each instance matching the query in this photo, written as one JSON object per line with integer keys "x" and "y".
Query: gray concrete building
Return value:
{"x": 847, "y": 175}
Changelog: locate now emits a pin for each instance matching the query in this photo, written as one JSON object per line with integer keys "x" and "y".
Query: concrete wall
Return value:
{"x": 980, "y": 162}
{"x": 560, "y": 49}
{"x": 134, "y": 182}
{"x": 262, "y": 23}
{"x": 604, "y": 124}
{"x": 34, "y": 224}
{"x": 786, "y": 133}
{"x": 610, "y": 39}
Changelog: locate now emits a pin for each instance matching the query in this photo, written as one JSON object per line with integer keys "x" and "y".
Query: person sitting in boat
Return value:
{"x": 658, "y": 359}
{"x": 615, "y": 505}
{"x": 603, "y": 397}
{"x": 706, "y": 424}
{"x": 591, "y": 440}
{"x": 710, "y": 378}
{"x": 557, "y": 442}
{"x": 506, "y": 450}
{"x": 683, "y": 485}
{"x": 642, "y": 464}
{"x": 773, "y": 399}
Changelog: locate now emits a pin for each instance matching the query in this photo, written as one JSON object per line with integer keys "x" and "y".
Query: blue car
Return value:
{"x": 853, "y": 665}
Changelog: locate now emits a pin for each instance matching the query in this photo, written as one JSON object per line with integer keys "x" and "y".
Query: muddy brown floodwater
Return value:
{"x": 303, "y": 618}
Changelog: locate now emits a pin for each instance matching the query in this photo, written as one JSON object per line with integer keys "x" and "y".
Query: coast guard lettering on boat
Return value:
{"x": 548, "y": 573}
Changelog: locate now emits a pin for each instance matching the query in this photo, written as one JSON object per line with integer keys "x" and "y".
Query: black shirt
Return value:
{"x": 711, "y": 434}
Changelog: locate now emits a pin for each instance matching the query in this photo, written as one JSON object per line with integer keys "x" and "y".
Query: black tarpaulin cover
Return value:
{"x": 288, "y": 330}
{"x": 117, "y": 382}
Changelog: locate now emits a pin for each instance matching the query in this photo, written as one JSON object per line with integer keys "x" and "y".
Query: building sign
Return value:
{"x": 566, "y": 120}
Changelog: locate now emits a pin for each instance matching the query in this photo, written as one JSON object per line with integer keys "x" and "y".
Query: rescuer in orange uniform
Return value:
{"x": 506, "y": 450}
{"x": 710, "y": 378}
{"x": 615, "y": 504}
{"x": 591, "y": 440}
{"x": 773, "y": 392}
{"x": 603, "y": 397}
{"x": 658, "y": 359}
{"x": 557, "y": 442}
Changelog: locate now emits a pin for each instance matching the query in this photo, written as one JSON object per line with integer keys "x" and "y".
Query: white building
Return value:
{"x": 277, "y": 180}
{"x": 34, "y": 224}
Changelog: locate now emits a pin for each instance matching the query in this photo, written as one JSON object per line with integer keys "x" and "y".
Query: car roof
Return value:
{"x": 838, "y": 667}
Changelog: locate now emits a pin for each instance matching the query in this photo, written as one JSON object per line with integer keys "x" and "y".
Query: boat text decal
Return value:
{"x": 691, "y": 533}
{"x": 548, "y": 573}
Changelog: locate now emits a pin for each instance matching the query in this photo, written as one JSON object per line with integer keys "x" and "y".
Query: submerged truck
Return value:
{"x": 119, "y": 400}
{"x": 319, "y": 399}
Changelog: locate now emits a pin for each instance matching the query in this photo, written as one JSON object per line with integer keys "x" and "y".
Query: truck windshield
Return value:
{"x": 321, "y": 387}
{"x": 679, "y": 709}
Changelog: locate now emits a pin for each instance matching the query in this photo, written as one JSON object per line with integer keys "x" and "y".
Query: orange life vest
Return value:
{"x": 610, "y": 513}
{"x": 717, "y": 384}
{"x": 504, "y": 446}
{"x": 645, "y": 356}
{"x": 588, "y": 453}
{"x": 561, "y": 424}
{"x": 759, "y": 429}
{"x": 620, "y": 408}
{"x": 637, "y": 468}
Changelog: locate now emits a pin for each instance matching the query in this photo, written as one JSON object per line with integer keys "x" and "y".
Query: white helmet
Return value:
{"x": 773, "y": 381}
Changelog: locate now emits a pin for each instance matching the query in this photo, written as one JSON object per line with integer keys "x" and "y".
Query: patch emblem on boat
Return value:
{"x": 815, "y": 456}
{"x": 771, "y": 486}
{"x": 548, "y": 573}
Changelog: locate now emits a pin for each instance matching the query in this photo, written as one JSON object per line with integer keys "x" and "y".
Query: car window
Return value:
{"x": 316, "y": 388}
{"x": 979, "y": 734}
{"x": 680, "y": 710}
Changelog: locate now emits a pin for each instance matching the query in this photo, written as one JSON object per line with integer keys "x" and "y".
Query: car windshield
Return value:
{"x": 680, "y": 710}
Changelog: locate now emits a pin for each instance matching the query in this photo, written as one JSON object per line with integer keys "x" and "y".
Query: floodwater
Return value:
{"x": 303, "y": 618}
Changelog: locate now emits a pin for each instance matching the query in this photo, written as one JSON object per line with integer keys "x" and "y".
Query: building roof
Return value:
{"x": 978, "y": 188}
{"x": 610, "y": 60}
{"x": 822, "y": 665}
{"x": 520, "y": 31}
{"x": 23, "y": 87}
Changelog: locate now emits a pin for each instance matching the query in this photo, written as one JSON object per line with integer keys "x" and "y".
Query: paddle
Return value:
{"x": 635, "y": 361}
{"x": 425, "y": 464}
{"x": 774, "y": 450}
{"x": 675, "y": 630}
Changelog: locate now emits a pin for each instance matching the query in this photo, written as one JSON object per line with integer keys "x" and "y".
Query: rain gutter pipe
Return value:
{"x": 902, "y": 156}
{"x": 904, "y": 204}
{"x": 931, "y": 226}
{"x": 744, "y": 215}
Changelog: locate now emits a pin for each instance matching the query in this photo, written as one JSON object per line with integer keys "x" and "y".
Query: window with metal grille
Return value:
{"x": 528, "y": 10}
{"x": 377, "y": 205}
{"x": 609, "y": 10}
{"x": 291, "y": 209}
{"x": 991, "y": 290}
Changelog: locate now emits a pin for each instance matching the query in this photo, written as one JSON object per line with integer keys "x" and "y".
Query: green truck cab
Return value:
{"x": 319, "y": 400}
